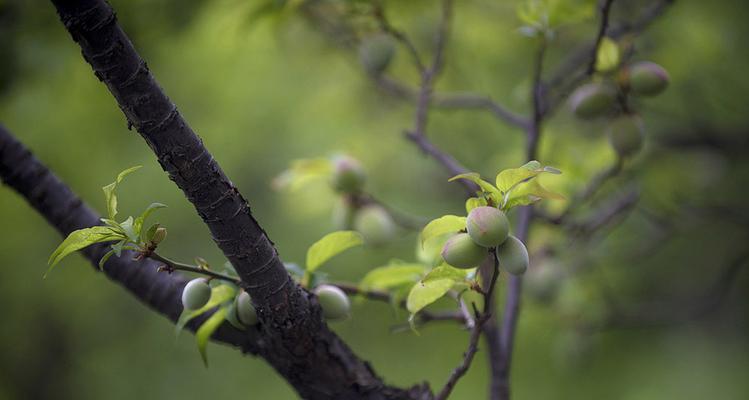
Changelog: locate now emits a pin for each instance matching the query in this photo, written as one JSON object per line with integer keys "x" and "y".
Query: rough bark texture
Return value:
{"x": 296, "y": 341}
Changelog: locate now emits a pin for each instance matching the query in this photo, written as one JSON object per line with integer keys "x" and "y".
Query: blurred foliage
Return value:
{"x": 267, "y": 84}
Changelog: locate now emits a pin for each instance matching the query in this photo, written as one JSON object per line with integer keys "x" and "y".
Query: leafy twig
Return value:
{"x": 171, "y": 265}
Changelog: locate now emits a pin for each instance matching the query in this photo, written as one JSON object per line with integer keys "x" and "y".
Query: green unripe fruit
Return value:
{"x": 647, "y": 78}
{"x": 461, "y": 252}
{"x": 334, "y": 302}
{"x": 626, "y": 135}
{"x": 376, "y": 52}
{"x": 348, "y": 175}
{"x": 592, "y": 100}
{"x": 513, "y": 256}
{"x": 375, "y": 224}
{"x": 487, "y": 226}
{"x": 196, "y": 294}
{"x": 246, "y": 313}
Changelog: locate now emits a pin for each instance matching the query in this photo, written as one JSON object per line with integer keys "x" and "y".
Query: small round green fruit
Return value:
{"x": 513, "y": 256}
{"x": 461, "y": 252}
{"x": 626, "y": 134}
{"x": 647, "y": 78}
{"x": 196, "y": 294}
{"x": 246, "y": 313}
{"x": 348, "y": 175}
{"x": 376, "y": 52}
{"x": 592, "y": 100}
{"x": 487, "y": 226}
{"x": 334, "y": 302}
{"x": 375, "y": 224}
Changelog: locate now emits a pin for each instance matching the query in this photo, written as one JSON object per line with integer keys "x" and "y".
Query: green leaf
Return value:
{"x": 425, "y": 293}
{"x": 80, "y": 239}
{"x": 330, "y": 245}
{"x": 129, "y": 230}
{"x": 447, "y": 271}
{"x": 442, "y": 225}
{"x": 529, "y": 193}
{"x": 608, "y": 56}
{"x": 219, "y": 294}
{"x": 302, "y": 172}
{"x": 150, "y": 232}
{"x": 476, "y": 178}
{"x": 110, "y": 191}
{"x": 391, "y": 276}
{"x": 474, "y": 202}
{"x": 138, "y": 224}
{"x": 509, "y": 178}
{"x": 434, "y": 285}
{"x": 206, "y": 330}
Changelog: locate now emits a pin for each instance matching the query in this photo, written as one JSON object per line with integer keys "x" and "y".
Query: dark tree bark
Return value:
{"x": 296, "y": 340}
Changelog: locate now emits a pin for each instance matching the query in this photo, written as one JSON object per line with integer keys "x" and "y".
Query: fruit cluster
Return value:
{"x": 486, "y": 228}
{"x": 597, "y": 99}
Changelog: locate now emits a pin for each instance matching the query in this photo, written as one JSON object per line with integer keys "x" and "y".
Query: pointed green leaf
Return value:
{"x": 138, "y": 224}
{"x": 476, "y": 178}
{"x": 80, "y": 239}
{"x": 474, "y": 202}
{"x": 110, "y": 191}
{"x": 442, "y": 225}
{"x": 529, "y": 193}
{"x": 448, "y": 271}
{"x": 206, "y": 330}
{"x": 220, "y": 294}
{"x": 331, "y": 245}
{"x": 509, "y": 178}
{"x": 391, "y": 276}
{"x": 425, "y": 293}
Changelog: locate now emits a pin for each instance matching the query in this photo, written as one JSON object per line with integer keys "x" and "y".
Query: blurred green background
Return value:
{"x": 262, "y": 89}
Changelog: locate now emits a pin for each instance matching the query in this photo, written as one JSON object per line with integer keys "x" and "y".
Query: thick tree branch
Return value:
{"x": 300, "y": 346}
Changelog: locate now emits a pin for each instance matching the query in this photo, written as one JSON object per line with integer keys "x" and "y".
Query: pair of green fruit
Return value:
{"x": 197, "y": 292}
{"x": 595, "y": 99}
{"x": 486, "y": 227}
{"x": 626, "y": 132}
{"x": 371, "y": 220}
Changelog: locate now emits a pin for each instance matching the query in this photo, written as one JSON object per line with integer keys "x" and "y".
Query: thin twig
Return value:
{"x": 588, "y": 192}
{"x": 379, "y": 14}
{"x": 602, "y": 27}
{"x": 378, "y": 295}
{"x": 172, "y": 265}
{"x": 473, "y": 341}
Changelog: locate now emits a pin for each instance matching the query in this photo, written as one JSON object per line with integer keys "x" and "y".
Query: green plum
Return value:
{"x": 647, "y": 78}
{"x": 461, "y": 252}
{"x": 375, "y": 224}
{"x": 196, "y": 294}
{"x": 487, "y": 226}
{"x": 334, "y": 302}
{"x": 626, "y": 134}
{"x": 513, "y": 256}
{"x": 592, "y": 100}
{"x": 246, "y": 313}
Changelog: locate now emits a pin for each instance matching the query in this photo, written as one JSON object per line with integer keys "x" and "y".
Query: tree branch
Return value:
{"x": 300, "y": 345}
{"x": 66, "y": 212}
